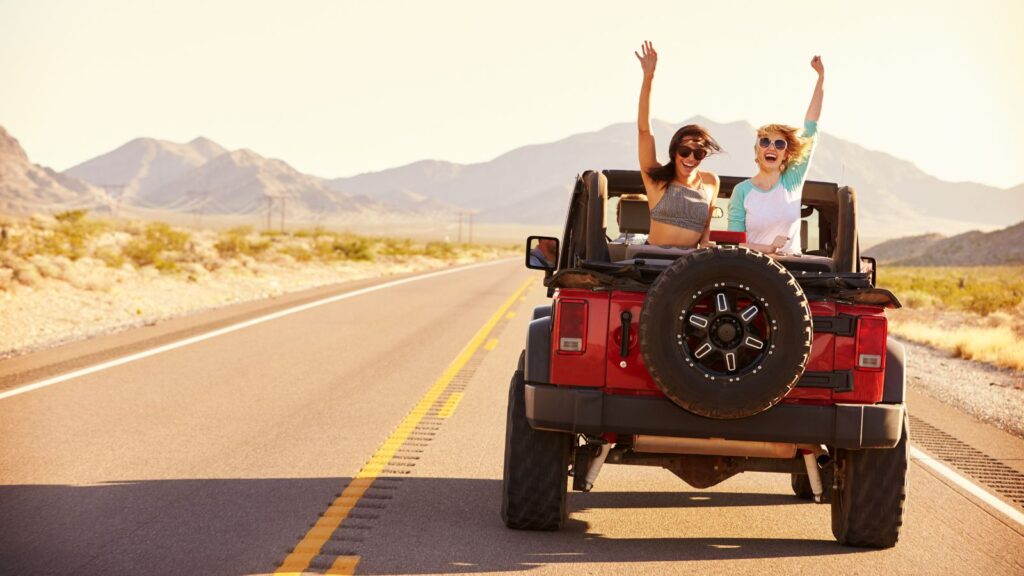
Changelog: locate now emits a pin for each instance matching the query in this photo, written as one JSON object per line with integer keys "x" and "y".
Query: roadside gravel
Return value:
{"x": 987, "y": 393}
{"x": 54, "y": 312}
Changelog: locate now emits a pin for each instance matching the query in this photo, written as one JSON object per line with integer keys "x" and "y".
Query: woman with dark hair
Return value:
{"x": 680, "y": 196}
{"x": 767, "y": 206}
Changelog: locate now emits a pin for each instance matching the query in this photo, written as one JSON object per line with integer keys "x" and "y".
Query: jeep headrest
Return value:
{"x": 634, "y": 215}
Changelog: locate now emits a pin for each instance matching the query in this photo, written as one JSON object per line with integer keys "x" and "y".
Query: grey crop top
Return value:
{"x": 683, "y": 207}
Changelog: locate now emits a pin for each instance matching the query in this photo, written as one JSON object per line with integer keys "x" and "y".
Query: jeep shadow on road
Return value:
{"x": 408, "y": 526}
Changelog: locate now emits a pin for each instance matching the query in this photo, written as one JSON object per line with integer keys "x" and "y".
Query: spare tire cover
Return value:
{"x": 725, "y": 332}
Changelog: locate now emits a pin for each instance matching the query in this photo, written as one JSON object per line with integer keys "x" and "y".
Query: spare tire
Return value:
{"x": 725, "y": 332}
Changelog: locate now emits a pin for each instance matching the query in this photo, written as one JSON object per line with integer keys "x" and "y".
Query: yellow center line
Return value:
{"x": 450, "y": 405}
{"x": 491, "y": 344}
{"x": 309, "y": 547}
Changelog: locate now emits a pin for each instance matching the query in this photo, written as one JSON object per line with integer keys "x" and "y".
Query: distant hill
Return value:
{"x": 239, "y": 182}
{"x": 203, "y": 176}
{"x": 972, "y": 248}
{"x": 531, "y": 184}
{"x": 527, "y": 185}
{"x": 25, "y": 187}
{"x": 145, "y": 164}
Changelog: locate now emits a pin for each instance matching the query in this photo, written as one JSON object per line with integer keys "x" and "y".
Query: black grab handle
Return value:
{"x": 626, "y": 317}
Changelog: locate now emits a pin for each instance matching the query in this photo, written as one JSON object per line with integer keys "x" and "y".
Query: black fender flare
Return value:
{"x": 538, "y": 350}
{"x": 895, "y": 388}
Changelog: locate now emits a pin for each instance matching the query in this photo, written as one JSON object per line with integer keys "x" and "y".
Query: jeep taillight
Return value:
{"x": 572, "y": 326}
{"x": 870, "y": 350}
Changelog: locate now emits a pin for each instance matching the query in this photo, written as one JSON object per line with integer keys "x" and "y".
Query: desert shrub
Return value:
{"x": 981, "y": 290}
{"x": 989, "y": 298}
{"x": 239, "y": 241}
{"x": 159, "y": 246}
{"x": 439, "y": 250}
{"x": 918, "y": 299}
{"x": 71, "y": 235}
{"x": 352, "y": 248}
{"x": 112, "y": 257}
{"x": 299, "y": 253}
{"x": 310, "y": 232}
{"x": 397, "y": 247}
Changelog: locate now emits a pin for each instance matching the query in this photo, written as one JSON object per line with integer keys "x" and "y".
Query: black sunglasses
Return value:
{"x": 685, "y": 151}
{"x": 765, "y": 142}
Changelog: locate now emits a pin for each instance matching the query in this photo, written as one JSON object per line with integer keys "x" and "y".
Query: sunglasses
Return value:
{"x": 685, "y": 151}
{"x": 766, "y": 142}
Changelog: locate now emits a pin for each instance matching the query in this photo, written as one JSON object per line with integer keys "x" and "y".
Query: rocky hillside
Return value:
{"x": 240, "y": 182}
{"x": 145, "y": 164}
{"x": 200, "y": 176}
{"x": 25, "y": 186}
{"x": 972, "y": 248}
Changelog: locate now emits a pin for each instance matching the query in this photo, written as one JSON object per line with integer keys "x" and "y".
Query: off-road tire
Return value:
{"x": 535, "y": 482}
{"x": 870, "y": 495}
{"x": 761, "y": 371}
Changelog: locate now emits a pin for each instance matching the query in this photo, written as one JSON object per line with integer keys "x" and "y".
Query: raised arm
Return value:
{"x": 814, "y": 109}
{"x": 648, "y": 61}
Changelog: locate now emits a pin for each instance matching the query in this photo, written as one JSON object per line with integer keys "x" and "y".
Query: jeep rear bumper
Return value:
{"x": 590, "y": 411}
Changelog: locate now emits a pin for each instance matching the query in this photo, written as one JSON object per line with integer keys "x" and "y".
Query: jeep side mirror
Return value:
{"x": 541, "y": 252}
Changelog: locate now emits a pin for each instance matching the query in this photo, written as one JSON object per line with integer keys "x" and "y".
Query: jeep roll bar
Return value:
{"x": 586, "y": 226}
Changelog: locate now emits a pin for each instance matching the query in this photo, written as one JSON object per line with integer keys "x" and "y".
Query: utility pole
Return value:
{"x": 110, "y": 189}
{"x": 270, "y": 207}
{"x": 201, "y": 197}
{"x": 460, "y": 228}
{"x": 283, "y": 199}
{"x": 470, "y": 227}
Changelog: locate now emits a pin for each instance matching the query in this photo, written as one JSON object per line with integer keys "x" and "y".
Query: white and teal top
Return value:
{"x": 765, "y": 214}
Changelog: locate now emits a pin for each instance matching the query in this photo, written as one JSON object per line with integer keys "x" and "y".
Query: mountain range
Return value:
{"x": 527, "y": 185}
{"x": 27, "y": 187}
{"x": 972, "y": 248}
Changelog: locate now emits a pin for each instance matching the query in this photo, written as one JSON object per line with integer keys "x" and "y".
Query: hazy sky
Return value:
{"x": 342, "y": 87}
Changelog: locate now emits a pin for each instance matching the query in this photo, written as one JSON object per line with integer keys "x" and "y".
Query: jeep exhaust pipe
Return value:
{"x": 594, "y": 468}
{"x": 813, "y": 458}
{"x": 813, "y": 474}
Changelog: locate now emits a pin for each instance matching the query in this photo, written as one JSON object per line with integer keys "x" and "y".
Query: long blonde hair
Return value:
{"x": 797, "y": 147}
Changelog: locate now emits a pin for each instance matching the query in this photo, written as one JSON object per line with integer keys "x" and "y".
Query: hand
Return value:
{"x": 818, "y": 66}
{"x": 648, "y": 59}
{"x": 778, "y": 243}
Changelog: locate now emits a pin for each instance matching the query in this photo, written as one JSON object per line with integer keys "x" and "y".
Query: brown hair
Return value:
{"x": 797, "y": 147}
{"x": 667, "y": 172}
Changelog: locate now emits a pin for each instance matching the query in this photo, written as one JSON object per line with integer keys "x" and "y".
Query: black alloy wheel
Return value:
{"x": 726, "y": 330}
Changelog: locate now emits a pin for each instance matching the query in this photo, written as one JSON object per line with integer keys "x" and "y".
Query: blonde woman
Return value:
{"x": 680, "y": 196}
{"x": 767, "y": 206}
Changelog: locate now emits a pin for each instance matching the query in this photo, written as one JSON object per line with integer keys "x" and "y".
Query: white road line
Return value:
{"x": 1007, "y": 510}
{"x": 233, "y": 328}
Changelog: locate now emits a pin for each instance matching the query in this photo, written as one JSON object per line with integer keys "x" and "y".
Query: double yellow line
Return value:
{"x": 311, "y": 544}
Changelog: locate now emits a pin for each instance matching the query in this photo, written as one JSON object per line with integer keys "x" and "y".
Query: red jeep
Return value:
{"x": 709, "y": 362}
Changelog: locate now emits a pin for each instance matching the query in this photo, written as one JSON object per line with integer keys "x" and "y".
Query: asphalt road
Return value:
{"x": 367, "y": 434}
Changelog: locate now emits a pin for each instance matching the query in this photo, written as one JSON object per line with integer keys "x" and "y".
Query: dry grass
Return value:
{"x": 71, "y": 246}
{"x": 975, "y": 313}
{"x": 999, "y": 345}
